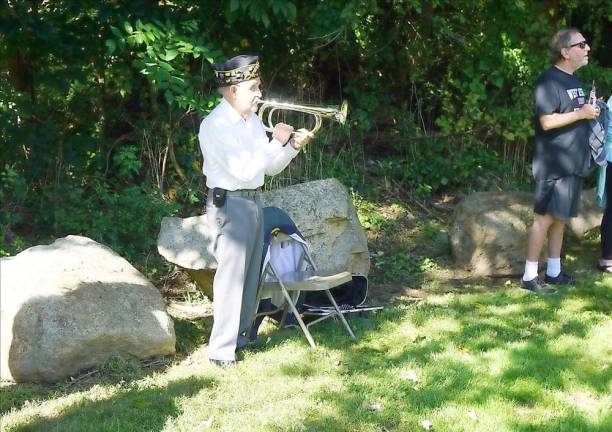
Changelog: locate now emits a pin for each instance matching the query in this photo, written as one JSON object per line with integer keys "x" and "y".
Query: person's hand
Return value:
{"x": 301, "y": 138}
{"x": 589, "y": 112}
{"x": 282, "y": 132}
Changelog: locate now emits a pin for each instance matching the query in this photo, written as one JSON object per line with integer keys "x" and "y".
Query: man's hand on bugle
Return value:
{"x": 282, "y": 132}
{"x": 301, "y": 137}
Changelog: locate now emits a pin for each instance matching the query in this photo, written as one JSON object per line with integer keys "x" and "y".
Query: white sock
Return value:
{"x": 531, "y": 270}
{"x": 553, "y": 267}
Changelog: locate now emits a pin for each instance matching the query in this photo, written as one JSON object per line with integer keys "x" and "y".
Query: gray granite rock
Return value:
{"x": 490, "y": 230}
{"x": 187, "y": 242}
{"x": 324, "y": 213}
{"x": 72, "y": 305}
{"x": 322, "y": 210}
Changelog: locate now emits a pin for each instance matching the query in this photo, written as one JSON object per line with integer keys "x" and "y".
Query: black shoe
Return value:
{"x": 223, "y": 363}
{"x": 537, "y": 286}
{"x": 562, "y": 279}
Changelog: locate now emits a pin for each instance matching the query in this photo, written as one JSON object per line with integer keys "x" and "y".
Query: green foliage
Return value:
{"x": 127, "y": 162}
{"x": 431, "y": 166}
{"x": 189, "y": 335}
{"x": 439, "y": 165}
{"x": 121, "y": 368}
{"x": 127, "y": 220}
{"x": 400, "y": 267}
{"x": 163, "y": 52}
{"x": 369, "y": 218}
{"x": 429, "y": 230}
{"x": 13, "y": 192}
{"x": 100, "y": 102}
{"x": 261, "y": 11}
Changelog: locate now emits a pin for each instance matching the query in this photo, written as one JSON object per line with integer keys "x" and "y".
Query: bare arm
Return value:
{"x": 556, "y": 120}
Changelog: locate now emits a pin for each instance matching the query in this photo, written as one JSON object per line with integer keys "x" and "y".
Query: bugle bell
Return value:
{"x": 267, "y": 109}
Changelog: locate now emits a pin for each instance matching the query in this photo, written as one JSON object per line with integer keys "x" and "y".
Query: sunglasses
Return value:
{"x": 579, "y": 44}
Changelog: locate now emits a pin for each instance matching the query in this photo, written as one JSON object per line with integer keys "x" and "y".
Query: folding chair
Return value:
{"x": 283, "y": 279}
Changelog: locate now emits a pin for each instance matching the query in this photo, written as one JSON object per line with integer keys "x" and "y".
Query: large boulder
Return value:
{"x": 322, "y": 210}
{"x": 589, "y": 216}
{"x": 187, "y": 242}
{"x": 490, "y": 231}
{"x": 72, "y": 305}
{"x": 324, "y": 213}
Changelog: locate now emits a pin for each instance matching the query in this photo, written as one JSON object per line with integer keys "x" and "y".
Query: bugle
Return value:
{"x": 267, "y": 109}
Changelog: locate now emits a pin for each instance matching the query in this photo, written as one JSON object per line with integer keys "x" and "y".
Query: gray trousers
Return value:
{"x": 238, "y": 233}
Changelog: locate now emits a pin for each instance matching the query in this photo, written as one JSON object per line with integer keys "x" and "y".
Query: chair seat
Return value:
{"x": 309, "y": 281}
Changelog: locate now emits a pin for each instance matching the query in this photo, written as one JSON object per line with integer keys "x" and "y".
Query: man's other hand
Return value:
{"x": 301, "y": 138}
{"x": 282, "y": 132}
{"x": 589, "y": 112}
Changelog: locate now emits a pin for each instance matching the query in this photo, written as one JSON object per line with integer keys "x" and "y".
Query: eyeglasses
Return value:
{"x": 579, "y": 44}
{"x": 252, "y": 88}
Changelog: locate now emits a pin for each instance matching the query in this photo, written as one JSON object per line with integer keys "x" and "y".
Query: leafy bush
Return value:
{"x": 13, "y": 192}
{"x": 127, "y": 220}
{"x": 100, "y": 103}
{"x": 400, "y": 267}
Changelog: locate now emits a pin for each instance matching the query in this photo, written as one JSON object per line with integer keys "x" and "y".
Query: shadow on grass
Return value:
{"x": 116, "y": 369}
{"x": 572, "y": 422}
{"x": 189, "y": 336}
{"x": 531, "y": 334}
{"x": 15, "y": 396}
{"x": 129, "y": 410}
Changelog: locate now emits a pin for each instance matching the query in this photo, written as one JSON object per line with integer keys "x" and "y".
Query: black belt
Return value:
{"x": 244, "y": 193}
{"x": 239, "y": 192}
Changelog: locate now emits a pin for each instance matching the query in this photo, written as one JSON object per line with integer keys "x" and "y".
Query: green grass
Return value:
{"x": 493, "y": 360}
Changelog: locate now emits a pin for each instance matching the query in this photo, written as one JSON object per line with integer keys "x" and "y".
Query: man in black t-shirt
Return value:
{"x": 561, "y": 156}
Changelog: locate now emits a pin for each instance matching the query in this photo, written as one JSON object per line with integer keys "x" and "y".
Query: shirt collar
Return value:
{"x": 231, "y": 112}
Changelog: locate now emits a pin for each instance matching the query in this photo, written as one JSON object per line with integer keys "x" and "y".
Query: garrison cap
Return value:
{"x": 236, "y": 70}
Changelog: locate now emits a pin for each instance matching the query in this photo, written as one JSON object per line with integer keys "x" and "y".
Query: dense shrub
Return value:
{"x": 100, "y": 101}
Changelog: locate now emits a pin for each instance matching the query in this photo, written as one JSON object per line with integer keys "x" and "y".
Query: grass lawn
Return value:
{"x": 484, "y": 360}
{"x": 446, "y": 355}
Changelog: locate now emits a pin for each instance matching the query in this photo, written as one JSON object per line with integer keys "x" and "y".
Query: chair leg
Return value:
{"x": 340, "y": 314}
{"x": 298, "y": 317}
{"x": 257, "y": 301}
{"x": 286, "y": 308}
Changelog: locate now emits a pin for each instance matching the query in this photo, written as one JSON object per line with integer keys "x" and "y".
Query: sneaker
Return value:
{"x": 562, "y": 279}
{"x": 604, "y": 267}
{"x": 537, "y": 286}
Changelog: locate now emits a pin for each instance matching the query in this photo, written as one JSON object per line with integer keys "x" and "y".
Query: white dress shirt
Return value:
{"x": 237, "y": 152}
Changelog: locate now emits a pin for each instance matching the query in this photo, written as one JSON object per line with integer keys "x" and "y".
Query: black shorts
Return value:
{"x": 559, "y": 198}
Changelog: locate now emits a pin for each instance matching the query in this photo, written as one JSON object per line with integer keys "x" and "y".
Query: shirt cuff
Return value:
{"x": 289, "y": 149}
{"x": 276, "y": 143}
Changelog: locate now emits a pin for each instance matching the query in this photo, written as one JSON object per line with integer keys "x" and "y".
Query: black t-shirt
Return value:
{"x": 563, "y": 151}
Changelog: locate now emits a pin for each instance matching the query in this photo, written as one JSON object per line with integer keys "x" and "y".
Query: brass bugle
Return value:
{"x": 267, "y": 109}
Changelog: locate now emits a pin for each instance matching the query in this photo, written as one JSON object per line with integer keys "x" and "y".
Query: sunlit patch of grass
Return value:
{"x": 585, "y": 401}
{"x": 497, "y": 360}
